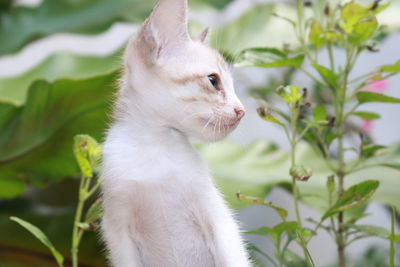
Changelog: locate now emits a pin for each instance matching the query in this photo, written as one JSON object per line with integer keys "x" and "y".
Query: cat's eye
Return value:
{"x": 214, "y": 81}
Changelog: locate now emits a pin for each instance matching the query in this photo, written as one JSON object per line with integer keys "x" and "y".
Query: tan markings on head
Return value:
{"x": 197, "y": 99}
{"x": 187, "y": 79}
{"x": 195, "y": 78}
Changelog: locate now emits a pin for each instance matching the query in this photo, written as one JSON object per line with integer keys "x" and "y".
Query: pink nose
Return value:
{"x": 239, "y": 113}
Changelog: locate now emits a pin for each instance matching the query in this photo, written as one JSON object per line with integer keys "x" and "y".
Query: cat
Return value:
{"x": 161, "y": 208}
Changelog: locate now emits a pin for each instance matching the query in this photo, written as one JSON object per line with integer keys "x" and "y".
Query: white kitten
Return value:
{"x": 161, "y": 207}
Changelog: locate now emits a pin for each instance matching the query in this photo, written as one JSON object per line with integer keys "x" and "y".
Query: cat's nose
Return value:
{"x": 239, "y": 113}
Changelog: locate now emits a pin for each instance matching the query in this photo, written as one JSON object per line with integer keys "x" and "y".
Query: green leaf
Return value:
{"x": 378, "y": 231}
{"x": 10, "y": 186}
{"x": 370, "y": 150}
{"x": 36, "y": 138}
{"x": 316, "y": 35}
{"x": 366, "y": 97}
{"x": 363, "y": 30}
{"x": 252, "y": 200}
{"x": 366, "y": 115}
{"x": 95, "y": 212}
{"x": 290, "y": 94}
{"x": 22, "y": 24}
{"x": 320, "y": 113}
{"x": 267, "y": 116}
{"x": 391, "y": 68}
{"x": 358, "y": 22}
{"x": 60, "y": 65}
{"x": 354, "y": 196}
{"x": 290, "y": 258}
{"x": 41, "y": 237}
{"x": 328, "y": 76}
{"x": 245, "y": 168}
{"x": 267, "y": 58}
{"x": 391, "y": 165}
{"x": 330, "y": 184}
{"x": 87, "y": 153}
{"x": 290, "y": 228}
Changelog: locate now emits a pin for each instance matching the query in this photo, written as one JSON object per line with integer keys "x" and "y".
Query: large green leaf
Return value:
{"x": 36, "y": 139}
{"x": 267, "y": 57}
{"x": 253, "y": 169}
{"x": 22, "y": 24}
{"x": 256, "y": 28}
{"x": 60, "y": 65}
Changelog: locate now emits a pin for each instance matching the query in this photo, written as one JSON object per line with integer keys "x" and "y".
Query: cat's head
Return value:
{"x": 177, "y": 80}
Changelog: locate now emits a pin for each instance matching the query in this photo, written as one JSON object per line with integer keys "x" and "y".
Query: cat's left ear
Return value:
{"x": 202, "y": 37}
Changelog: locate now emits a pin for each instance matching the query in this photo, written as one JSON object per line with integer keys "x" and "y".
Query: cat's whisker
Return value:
{"x": 193, "y": 115}
{"x": 205, "y": 126}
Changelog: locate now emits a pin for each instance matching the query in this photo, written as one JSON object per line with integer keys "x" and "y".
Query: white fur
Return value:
{"x": 161, "y": 207}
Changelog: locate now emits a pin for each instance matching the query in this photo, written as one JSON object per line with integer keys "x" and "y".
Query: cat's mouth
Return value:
{"x": 221, "y": 124}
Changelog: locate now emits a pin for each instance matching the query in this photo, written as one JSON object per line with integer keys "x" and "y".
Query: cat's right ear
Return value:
{"x": 165, "y": 28}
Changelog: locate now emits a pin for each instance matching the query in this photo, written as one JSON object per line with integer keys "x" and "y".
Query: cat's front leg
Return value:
{"x": 123, "y": 252}
{"x": 229, "y": 246}
{"x": 222, "y": 233}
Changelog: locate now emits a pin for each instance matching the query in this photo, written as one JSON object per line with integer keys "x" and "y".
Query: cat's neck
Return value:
{"x": 138, "y": 124}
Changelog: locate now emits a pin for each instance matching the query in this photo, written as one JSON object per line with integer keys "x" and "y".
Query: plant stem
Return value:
{"x": 293, "y": 142}
{"x": 77, "y": 232}
{"x": 392, "y": 254}
{"x": 340, "y": 99}
{"x": 331, "y": 57}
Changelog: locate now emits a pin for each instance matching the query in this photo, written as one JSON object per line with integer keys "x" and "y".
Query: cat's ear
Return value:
{"x": 203, "y": 35}
{"x": 166, "y": 27}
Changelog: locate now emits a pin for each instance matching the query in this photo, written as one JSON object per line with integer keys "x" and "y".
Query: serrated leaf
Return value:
{"x": 252, "y": 200}
{"x": 327, "y": 75}
{"x": 391, "y": 68}
{"x": 267, "y": 58}
{"x": 41, "y": 237}
{"x": 354, "y": 196}
{"x": 366, "y": 97}
{"x": 366, "y": 115}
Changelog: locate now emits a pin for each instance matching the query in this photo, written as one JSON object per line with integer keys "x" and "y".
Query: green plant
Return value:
{"x": 87, "y": 153}
{"x": 327, "y": 124}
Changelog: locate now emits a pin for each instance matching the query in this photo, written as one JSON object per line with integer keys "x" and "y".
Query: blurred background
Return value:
{"x": 59, "y": 60}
